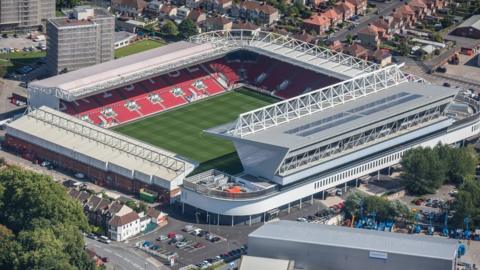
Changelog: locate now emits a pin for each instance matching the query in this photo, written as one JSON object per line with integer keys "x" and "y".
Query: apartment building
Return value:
{"x": 82, "y": 39}
{"x": 25, "y": 14}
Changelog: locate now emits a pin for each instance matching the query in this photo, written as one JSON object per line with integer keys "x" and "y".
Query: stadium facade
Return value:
{"x": 318, "y": 138}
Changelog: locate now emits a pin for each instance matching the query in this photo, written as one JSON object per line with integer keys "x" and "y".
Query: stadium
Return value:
{"x": 236, "y": 125}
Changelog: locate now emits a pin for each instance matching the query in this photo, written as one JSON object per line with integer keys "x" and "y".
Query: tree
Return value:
{"x": 461, "y": 164}
{"x": 437, "y": 37}
{"x": 423, "y": 171}
{"x": 187, "y": 28}
{"x": 403, "y": 48}
{"x": 467, "y": 203}
{"x": 40, "y": 224}
{"x": 383, "y": 208}
{"x": 169, "y": 29}
{"x": 67, "y": 3}
{"x": 349, "y": 38}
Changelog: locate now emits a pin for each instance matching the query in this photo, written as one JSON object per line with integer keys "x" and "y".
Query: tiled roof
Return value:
{"x": 343, "y": 7}
{"x": 320, "y": 20}
{"x": 123, "y": 220}
{"x": 331, "y": 14}
{"x": 136, "y": 4}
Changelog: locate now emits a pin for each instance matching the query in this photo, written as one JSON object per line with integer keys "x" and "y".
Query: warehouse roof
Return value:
{"x": 346, "y": 119}
{"x": 473, "y": 21}
{"x": 100, "y": 144}
{"x": 338, "y": 236}
{"x": 122, "y": 67}
{"x": 255, "y": 263}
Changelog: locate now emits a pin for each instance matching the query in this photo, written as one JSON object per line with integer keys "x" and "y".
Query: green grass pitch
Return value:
{"x": 180, "y": 130}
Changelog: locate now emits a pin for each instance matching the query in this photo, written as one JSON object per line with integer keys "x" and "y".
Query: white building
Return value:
{"x": 125, "y": 224}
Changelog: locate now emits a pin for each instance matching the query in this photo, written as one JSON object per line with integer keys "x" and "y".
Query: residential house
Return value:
{"x": 356, "y": 50}
{"x": 152, "y": 10}
{"x": 371, "y": 35}
{"x": 246, "y": 26}
{"x": 218, "y": 6}
{"x": 182, "y": 13}
{"x": 193, "y": 3}
{"x": 420, "y": 8}
{"x": 217, "y": 23}
{"x": 95, "y": 210}
{"x": 317, "y": 23}
{"x": 316, "y": 3}
{"x": 157, "y": 217}
{"x": 255, "y": 12}
{"x": 305, "y": 37}
{"x": 333, "y": 16}
{"x": 345, "y": 9}
{"x": 124, "y": 224}
{"x": 168, "y": 11}
{"x": 360, "y": 6}
{"x": 404, "y": 16}
{"x": 381, "y": 57}
{"x": 130, "y": 8}
{"x": 197, "y": 16}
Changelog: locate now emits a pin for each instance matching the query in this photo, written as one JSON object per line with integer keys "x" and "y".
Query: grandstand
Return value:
{"x": 338, "y": 118}
{"x": 300, "y": 147}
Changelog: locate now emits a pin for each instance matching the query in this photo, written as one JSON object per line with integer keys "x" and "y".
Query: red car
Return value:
{"x": 171, "y": 235}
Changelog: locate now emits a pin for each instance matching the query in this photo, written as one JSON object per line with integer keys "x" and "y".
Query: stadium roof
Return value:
{"x": 72, "y": 83}
{"x": 371, "y": 240}
{"x": 105, "y": 76}
{"x": 350, "y": 117}
{"x": 100, "y": 144}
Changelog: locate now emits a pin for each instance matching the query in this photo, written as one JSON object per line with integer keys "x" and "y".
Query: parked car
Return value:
{"x": 92, "y": 236}
{"x": 446, "y": 84}
{"x": 162, "y": 238}
{"x": 104, "y": 239}
{"x": 181, "y": 244}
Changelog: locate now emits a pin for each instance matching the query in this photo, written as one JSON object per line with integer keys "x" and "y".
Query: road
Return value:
{"x": 384, "y": 9}
{"x": 122, "y": 257}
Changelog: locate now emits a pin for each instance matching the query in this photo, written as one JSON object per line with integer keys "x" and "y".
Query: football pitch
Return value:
{"x": 180, "y": 130}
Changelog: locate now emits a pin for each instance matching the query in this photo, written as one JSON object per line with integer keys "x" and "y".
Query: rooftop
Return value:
{"x": 254, "y": 263}
{"x": 100, "y": 145}
{"x": 338, "y": 236}
{"x": 121, "y": 68}
{"x": 347, "y": 118}
{"x": 473, "y": 21}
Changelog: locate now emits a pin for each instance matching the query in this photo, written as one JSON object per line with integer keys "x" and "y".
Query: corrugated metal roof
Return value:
{"x": 473, "y": 21}
{"x": 301, "y": 132}
{"x": 407, "y": 244}
{"x": 123, "y": 66}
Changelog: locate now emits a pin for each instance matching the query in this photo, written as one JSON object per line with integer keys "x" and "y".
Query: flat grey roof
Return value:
{"x": 255, "y": 263}
{"x": 119, "y": 68}
{"x": 338, "y": 236}
{"x": 349, "y": 117}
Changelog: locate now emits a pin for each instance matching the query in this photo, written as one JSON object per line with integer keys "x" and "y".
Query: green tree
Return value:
{"x": 41, "y": 224}
{"x": 461, "y": 164}
{"x": 423, "y": 171}
{"x": 437, "y": 37}
{"x": 169, "y": 29}
{"x": 403, "y": 48}
{"x": 349, "y": 38}
{"x": 383, "y": 208}
{"x": 187, "y": 28}
{"x": 467, "y": 203}
{"x": 67, "y": 3}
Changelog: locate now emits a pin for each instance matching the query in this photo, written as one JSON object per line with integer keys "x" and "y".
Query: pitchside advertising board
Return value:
{"x": 378, "y": 255}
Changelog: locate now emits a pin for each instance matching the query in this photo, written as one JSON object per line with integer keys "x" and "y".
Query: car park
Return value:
{"x": 162, "y": 238}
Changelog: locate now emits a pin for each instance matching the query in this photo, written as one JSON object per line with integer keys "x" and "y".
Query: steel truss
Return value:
{"x": 222, "y": 42}
{"x": 108, "y": 138}
{"x": 117, "y": 80}
{"x": 318, "y": 154}
{"x": 316, "y": 101}
{"x": 263, "y": 41}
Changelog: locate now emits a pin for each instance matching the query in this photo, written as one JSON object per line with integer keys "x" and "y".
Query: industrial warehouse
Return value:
{"x": 349, "y": 248}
